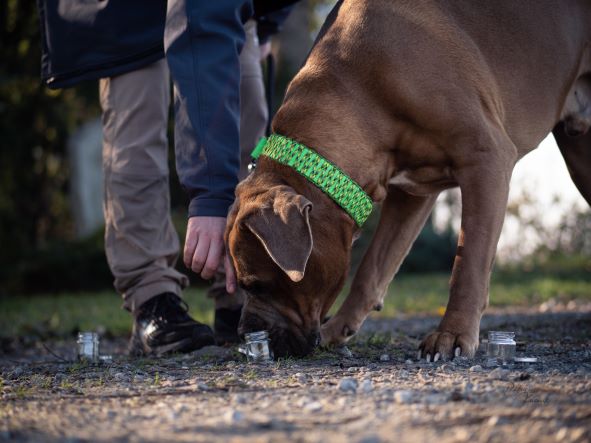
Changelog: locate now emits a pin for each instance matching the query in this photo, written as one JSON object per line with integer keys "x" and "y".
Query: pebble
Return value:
{"x": 522, "y": 376}
{"x": 314, "y": 406}
{"x": 562, "y": 434}
{"x": 499, "y": 374}
{"x": 409, "y": 362}
{"x": 234, "y": 416}
{"x": 301, "y": 378}
{"x": 463, "y": 434}
{"x": 435, "y": 399}
{"x": 475, "y": 368}
{"x": 403, "y": 373}
{"x": 403, "y": 397}
{"x": 467, "y": 388}
{"x": 461, "y": 361}
{"x": 348, "y": 385}
{"x": 366, "y": 386}
{"x": 495, "y": 420}
{"x": 344, "y": 351}
{"x": 384, "y": 357}
{"x": 457, "y": 396}
{"x": 577, "y": 434}
{"x": 202, "y": 386}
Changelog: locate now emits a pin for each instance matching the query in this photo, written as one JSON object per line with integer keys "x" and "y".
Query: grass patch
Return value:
{"x": 428, "y": 293}
{"x": 64, "y": 314}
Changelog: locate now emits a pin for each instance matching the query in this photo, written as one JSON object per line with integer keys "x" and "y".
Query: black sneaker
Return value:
{"x": 225, "y": 325}
{"x": 162, "y": 325}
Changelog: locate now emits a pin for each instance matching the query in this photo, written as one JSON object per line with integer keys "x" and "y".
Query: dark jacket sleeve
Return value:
{"x": 202, "y": 41}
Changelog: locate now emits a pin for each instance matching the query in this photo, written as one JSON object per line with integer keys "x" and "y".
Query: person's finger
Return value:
{"x": 191, "y": 240}
{"x": 230, "y": 275}
{"x": 200, "y": 255}
{"x": 216, "y": 246}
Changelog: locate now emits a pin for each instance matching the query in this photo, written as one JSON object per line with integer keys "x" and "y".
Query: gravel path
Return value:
{"x": 381, "y": 393}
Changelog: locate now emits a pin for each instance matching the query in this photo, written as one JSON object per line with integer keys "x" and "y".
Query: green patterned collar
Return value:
{"x": 321, "y": 172}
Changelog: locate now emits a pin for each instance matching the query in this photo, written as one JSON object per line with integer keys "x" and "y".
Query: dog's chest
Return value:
{"x": 423, "y": 181}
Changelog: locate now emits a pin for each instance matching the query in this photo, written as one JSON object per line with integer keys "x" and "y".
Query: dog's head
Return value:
{"x": 290, "y": 262}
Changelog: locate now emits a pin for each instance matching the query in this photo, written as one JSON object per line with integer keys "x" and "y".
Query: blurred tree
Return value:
{"x": 35, "y": 123}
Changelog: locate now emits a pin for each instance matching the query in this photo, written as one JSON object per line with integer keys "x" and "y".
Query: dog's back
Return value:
{"x": 514, "y": 61}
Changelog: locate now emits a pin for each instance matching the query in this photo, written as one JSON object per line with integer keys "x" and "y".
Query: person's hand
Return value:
{"x": 265, "y": 50}
{"x": 204, "y": 249}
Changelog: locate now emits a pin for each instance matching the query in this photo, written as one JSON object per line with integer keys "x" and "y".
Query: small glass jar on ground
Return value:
{"x": 501, "y": 348}
{"x": 256, "y": 347}
{"x": 88, "y": 347}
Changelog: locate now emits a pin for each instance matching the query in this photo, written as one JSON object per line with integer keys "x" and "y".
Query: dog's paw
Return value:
{"x": 441, "y": 345}
{"x": 335, "y": 332}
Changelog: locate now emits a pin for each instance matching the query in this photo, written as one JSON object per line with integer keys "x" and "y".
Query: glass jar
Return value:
{"x": 88, "y": 346}
{"x": 501, "y": 348}
{"x": 256, "y": 347}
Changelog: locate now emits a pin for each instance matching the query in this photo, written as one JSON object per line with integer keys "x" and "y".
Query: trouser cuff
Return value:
{"x": 132, "y": 300}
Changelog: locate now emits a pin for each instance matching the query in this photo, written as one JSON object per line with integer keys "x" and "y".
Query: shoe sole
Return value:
{"x": 137, "y": 349}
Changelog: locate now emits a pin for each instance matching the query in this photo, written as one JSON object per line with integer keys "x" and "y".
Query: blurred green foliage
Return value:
{"x": 35, "y": 123}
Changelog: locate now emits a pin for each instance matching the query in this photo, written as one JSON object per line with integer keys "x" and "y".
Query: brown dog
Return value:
{"x": 408, "y": 98}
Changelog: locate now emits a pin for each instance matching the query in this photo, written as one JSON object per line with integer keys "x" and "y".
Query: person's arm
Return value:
{"x": 202, "y": 41}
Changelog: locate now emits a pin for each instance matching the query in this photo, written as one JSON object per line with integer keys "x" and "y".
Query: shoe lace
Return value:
{"x": 170, "y": 308}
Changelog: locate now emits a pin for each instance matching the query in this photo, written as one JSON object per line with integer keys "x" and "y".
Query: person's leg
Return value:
{"x": 253, "y": 120}
{"x": 253, "y": 104}
{"x": 140, "y": 241}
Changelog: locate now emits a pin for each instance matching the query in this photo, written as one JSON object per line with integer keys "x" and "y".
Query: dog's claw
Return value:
{"x": 444, "y": 346}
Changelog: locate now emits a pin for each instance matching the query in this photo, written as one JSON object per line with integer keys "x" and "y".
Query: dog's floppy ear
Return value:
{"x": 283, "y": 228}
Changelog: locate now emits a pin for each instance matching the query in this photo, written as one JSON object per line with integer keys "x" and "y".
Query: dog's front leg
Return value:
{"x": 402, "y": 218}
{"x": 485, "y": 189}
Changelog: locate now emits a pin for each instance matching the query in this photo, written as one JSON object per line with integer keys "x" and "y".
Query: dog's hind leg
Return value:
{"x": 577, "y": 155}
{"x": 403, "y": 215}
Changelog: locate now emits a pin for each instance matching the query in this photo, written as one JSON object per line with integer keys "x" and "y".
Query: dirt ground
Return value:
{"x": 381, "y": 393}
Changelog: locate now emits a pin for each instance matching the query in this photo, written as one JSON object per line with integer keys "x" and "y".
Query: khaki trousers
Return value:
{"x": 141, "y": 244}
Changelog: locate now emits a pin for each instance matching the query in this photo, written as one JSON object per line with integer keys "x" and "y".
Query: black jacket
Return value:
{"x": 90, "y": 39}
